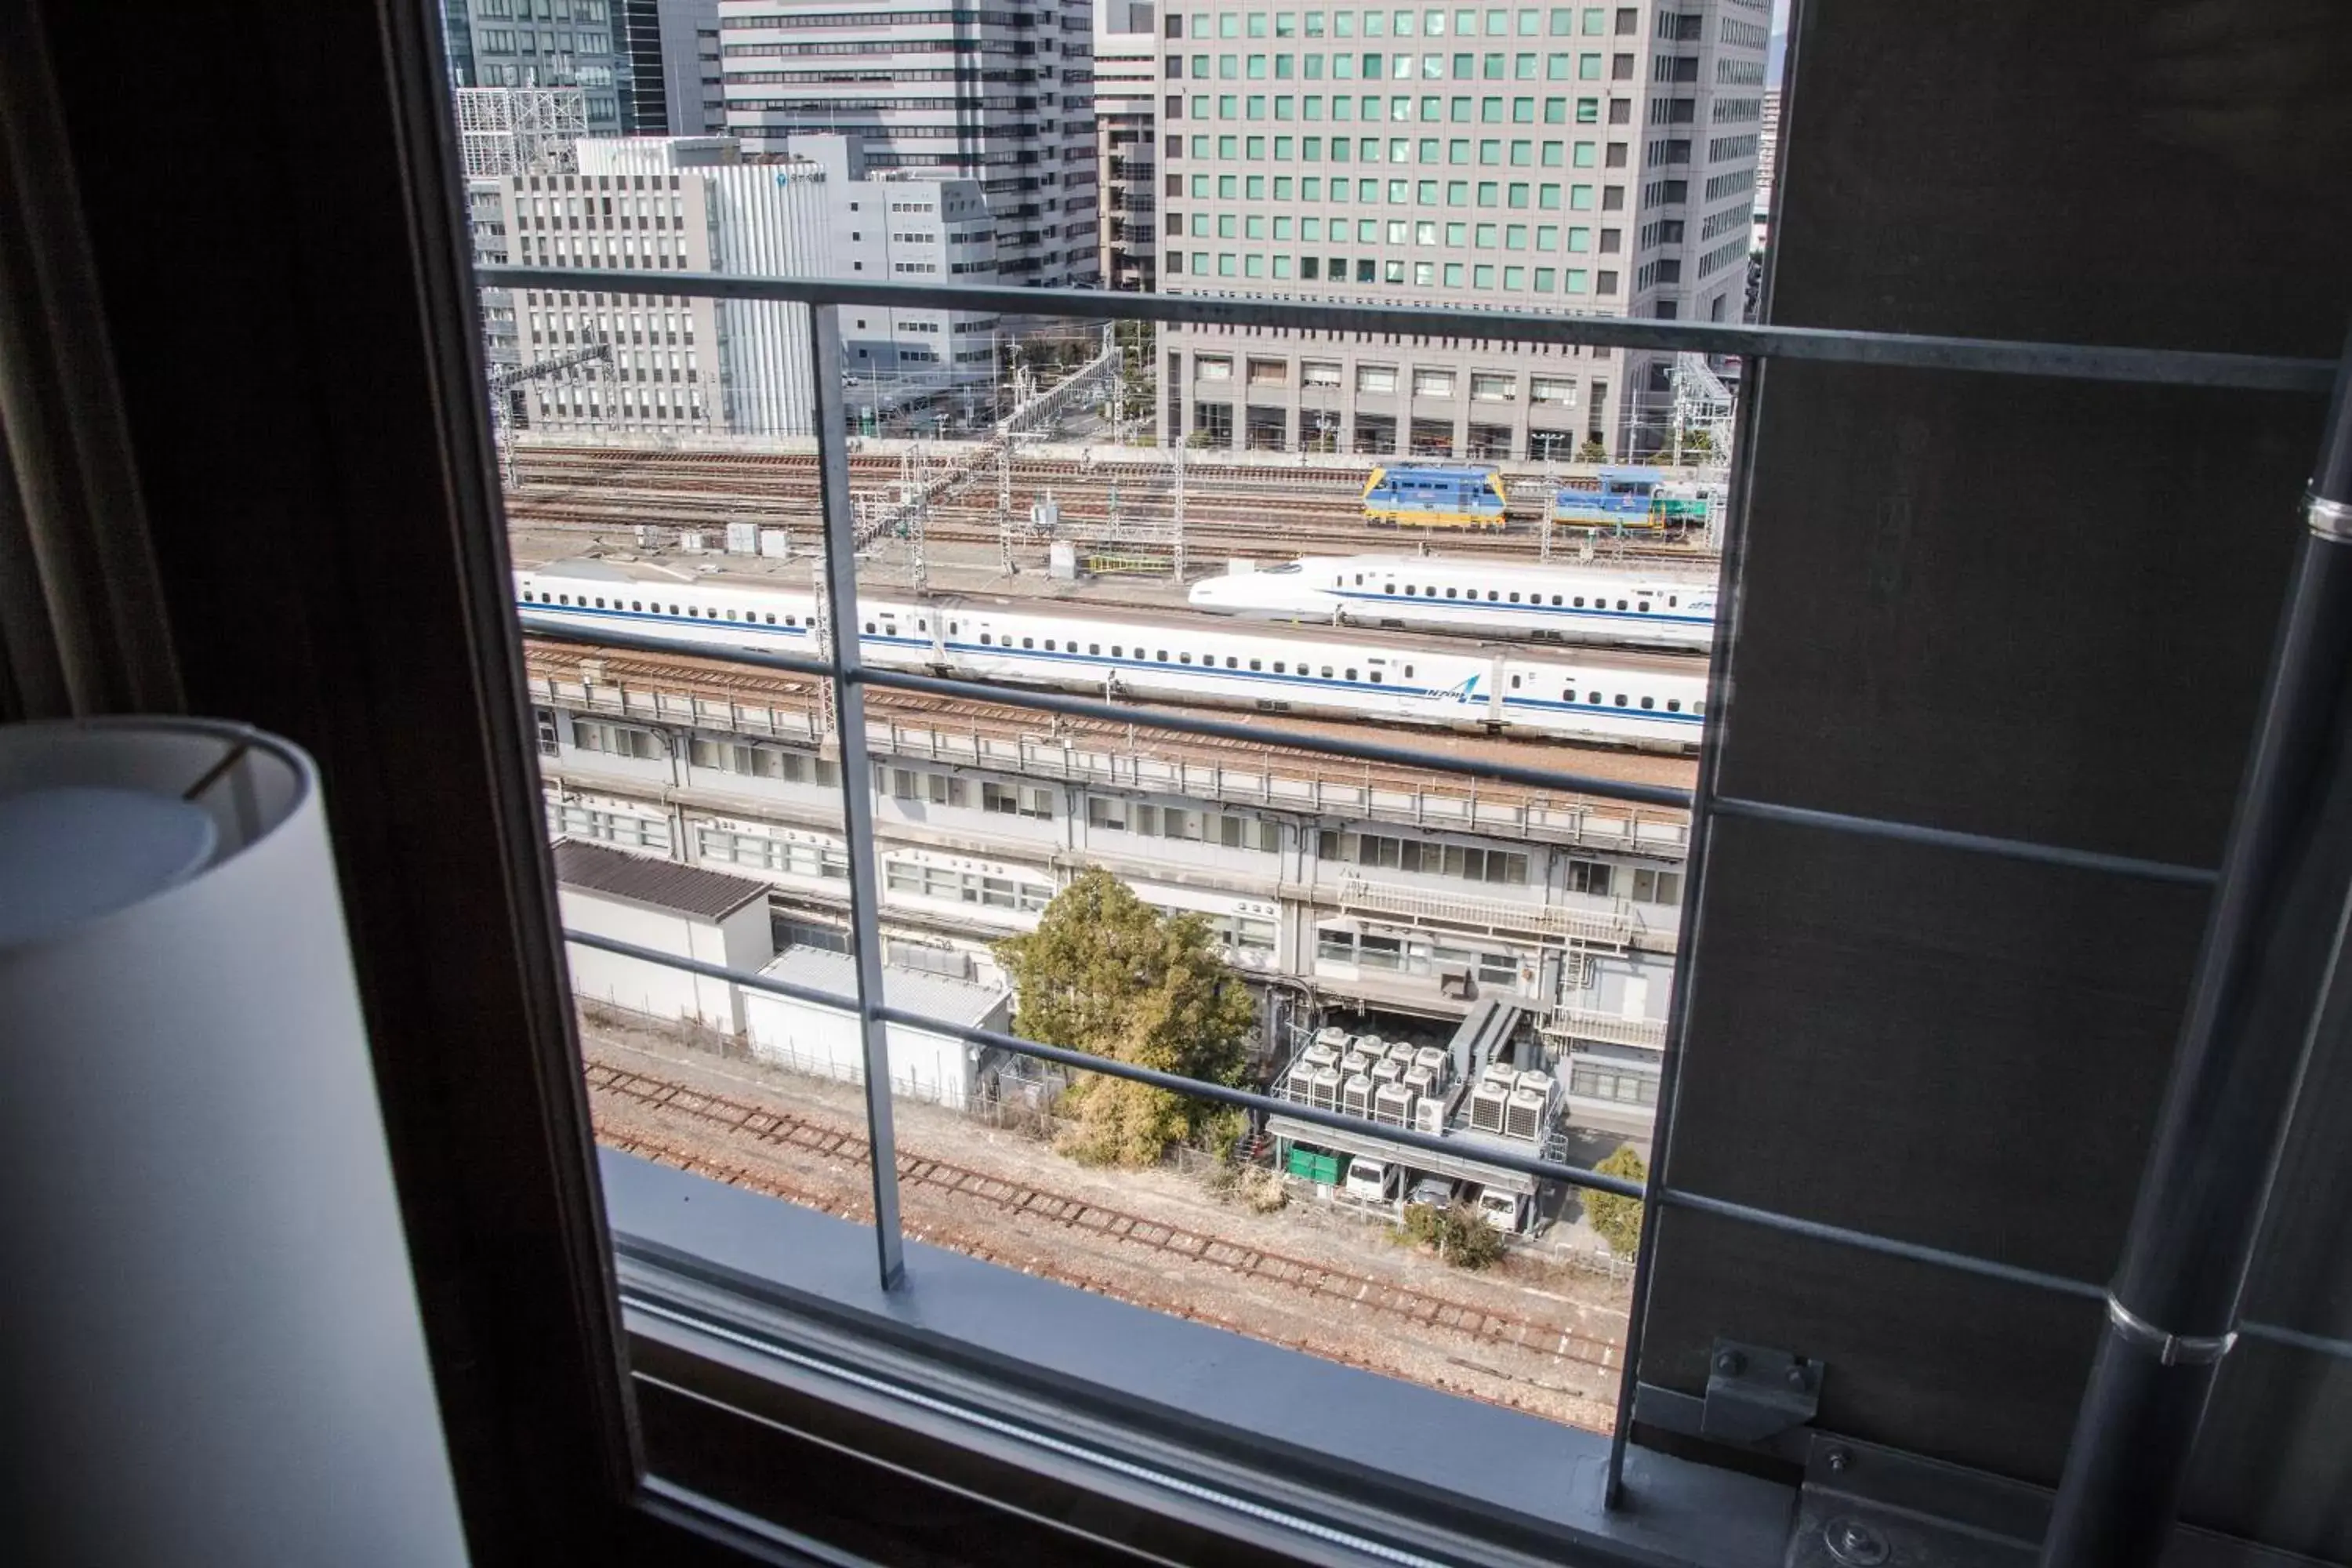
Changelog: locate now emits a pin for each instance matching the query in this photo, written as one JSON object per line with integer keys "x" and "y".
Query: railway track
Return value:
{"x": 592, "y": 491}
{"x": 738, "y": 1121}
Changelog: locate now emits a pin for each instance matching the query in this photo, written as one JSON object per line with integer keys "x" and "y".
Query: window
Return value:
{"x": 1487, "y": 386}
{"x": 1433, "y": 384}
{"x": 1375, "y": 378}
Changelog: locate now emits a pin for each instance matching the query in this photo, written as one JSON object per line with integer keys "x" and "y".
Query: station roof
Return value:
{"x": 657, "y": 884}
{"x": 940, "y": 997}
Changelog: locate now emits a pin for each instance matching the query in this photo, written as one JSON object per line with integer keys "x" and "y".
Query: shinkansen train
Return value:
{"x": 1176, "y": 657}
{"x": 1493, "y": 598}
{"x": 1435, "y": 496}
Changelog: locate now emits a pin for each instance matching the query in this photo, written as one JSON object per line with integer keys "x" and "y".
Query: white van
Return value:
{"x": 1507, "y": 1212}
{"x": 1373, "y": 1181}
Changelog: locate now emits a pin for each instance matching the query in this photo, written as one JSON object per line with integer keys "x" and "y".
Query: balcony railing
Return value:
{"x": 850, "y": 679}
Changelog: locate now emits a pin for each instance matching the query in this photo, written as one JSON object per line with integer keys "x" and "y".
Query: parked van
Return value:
{"x": 1373, "y": 1181}
{"x": 1507, "y": 1212}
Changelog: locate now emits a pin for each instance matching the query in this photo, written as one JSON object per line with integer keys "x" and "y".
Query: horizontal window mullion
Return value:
{"x": 2084, "y": 362}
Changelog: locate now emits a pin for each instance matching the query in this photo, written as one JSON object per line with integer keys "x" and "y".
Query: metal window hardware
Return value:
{"x": 1755, "y": 1394}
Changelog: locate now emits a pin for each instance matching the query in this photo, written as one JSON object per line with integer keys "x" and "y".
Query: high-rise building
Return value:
{"x": 537, "y": 43}
{"x": 1564, "y": 159}
{"x": 669, "y": 57}
{"x": 691, "y": 204}
{"x": 999, "y": 96}
{"x": 1127, "y": 120}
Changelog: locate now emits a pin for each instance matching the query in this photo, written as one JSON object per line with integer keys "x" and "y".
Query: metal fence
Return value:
{"x": 1758, "y": 345}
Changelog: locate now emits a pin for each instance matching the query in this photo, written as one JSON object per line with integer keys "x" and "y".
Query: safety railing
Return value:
{"x": 851, "y": 679}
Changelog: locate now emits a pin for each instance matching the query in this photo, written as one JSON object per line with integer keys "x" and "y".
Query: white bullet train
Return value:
{"x": 1170, "y": 658}
{"x": 1496, "y": 598}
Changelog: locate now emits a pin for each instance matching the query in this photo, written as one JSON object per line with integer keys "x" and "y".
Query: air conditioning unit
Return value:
{"x": 1487, "y": 1103}
{"x": 1536, "y": 1083}
{"x": 1429, "y": 1114}
{"x": 1437, "y": 1060}
{"x": 1392, "y": 1104}
{"x": 1387, "y": 1070}
{"x": 1372, "y": 1045}
{"x": 1402, "y": 1052}
{"x": 1523, "y": 1117}
{"x": 1323, "y": 1092}
{"x": 1418, "y": 1078}
{"x": 1300, "y": 1085}
{"x": 1356, "y": 1097}
{"x": 1333, "y": 1037}
{"x": 1321, "y": 1055}
{"x": 1355, "y": 1062}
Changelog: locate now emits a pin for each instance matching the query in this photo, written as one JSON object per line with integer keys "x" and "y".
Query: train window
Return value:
{"x": 1360, "y": 579}
{"x": 1580, "y": 600}
{"x": 1515, "y": 598}
{"x": 1620, "y": 604}
{"x": 1376, "y": 677}
{"x": 1672, "y": 601}
{"x": 1049, "y": 645}
{"x": 1514, "y": 683}
{"x": 1164, "y": 655}
{"x": 1387, "y": 588}
{"x": 1352, "y": 675}
{"x": 1555, "y": 598}
{"x": 1183, "y": 658}
{"x": 730, "y": 614}
{"x": 986, "y": 640}
{"x": 694, "y": 611}
{"x": 673, "y": 610}
{"x": 562, "y": 598}
{"x": 869, "y": 628}
{"x": 1094, "y": 649}
{"x": 1449, "y": 593}
{"x": 1643, "y": 606}
{"x": 1408, "y": 672}
{"x": 1646, "y": 702}
{"x": 1492, "y": 597}
{"x": 1232, "y": 663}
{"x": 1699, "y": 707}
{"x": 792, "y": 620}
{"x": 1257, "y": 665}
{"x": 1568, "y": 694}
{"x": 919, "y": 626}
{"x": 1278, "y": 668}
{"x": 1327, "y": 672}
{"x": 772, "y": 617}
{"x": 1621, "y": 700}
{"x": 1674, "y": 704}
{"x": 1117, "y": 652}
{"x": 1028, "y": 642}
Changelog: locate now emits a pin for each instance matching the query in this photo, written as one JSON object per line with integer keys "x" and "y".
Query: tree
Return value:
{"x": 1593, "y": 451}
{"x": 1457, "y": 1232}
{"x": 1618, "y": 1219}
{"x": 1105, "y": 973}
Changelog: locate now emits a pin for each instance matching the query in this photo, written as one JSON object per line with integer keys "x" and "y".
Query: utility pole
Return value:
{"x": 820, "y": 602}
{"x": 1176, "y": 534}
{"x": 503, "y": 383}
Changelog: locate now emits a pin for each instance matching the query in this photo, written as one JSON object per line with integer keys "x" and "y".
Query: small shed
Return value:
{"x": 924, "y": 1065}
{"x": 683, "y": 910}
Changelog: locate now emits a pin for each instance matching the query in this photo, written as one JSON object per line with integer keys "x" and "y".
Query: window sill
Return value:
{"x": 732, "y": 1298}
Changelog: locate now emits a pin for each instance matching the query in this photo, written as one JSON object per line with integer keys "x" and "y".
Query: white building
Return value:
{"x": 692, "y": 203}
{"x": 1567, "y": 159}
{"x": 685, "y": 911}
{"x": 828, "y": 1041}
{"x": 999, "y": 96}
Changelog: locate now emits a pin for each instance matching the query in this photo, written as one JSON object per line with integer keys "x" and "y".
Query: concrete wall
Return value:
{"x": 824, "y": 1040}
{"x": 741, "y": 942}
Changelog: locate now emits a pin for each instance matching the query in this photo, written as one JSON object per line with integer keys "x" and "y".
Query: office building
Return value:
{"x": 669, "y": 68}
{"x": 1127, "y": 119}
{"x": 537, "y": 43}
{"x": 1578, "y": 160}
{"x": 741, "y": 367}
{"x": 1001, "y": 98}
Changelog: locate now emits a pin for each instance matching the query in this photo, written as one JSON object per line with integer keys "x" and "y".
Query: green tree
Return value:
{"x": 1593, "y": 451}
{"x": 1456, "y": 1233}
{"x": 1105, "y": 973}
{"x": 1618, "y": 1219}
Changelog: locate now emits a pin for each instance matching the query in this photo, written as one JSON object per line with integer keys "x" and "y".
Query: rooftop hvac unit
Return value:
{"x": 1392, "y": 1103}
{"x": 1387, "y": 1070}
{"x": 1525, "y": 1118}
{"x": 1429, "y": 1114}
{"x": 1436, "y": 1060}
{"x": 1334, "y": 1038}
{"x": 1300, "y": 1085}
{"x": 1487, "y": 1103}
{"x": 1536, "y": 1083}
{"x": 1420, "y": 1079}
{"x": 1356, "y": 1098}
{"x": 1355, "y": 1062}
{"x": 1324, "y": 1088}
{"x": 1370, "y": 1044}
{"x": 1320, "y": 1056}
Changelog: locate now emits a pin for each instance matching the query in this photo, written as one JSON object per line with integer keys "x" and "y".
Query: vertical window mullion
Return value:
{"x": 840, "y": 589}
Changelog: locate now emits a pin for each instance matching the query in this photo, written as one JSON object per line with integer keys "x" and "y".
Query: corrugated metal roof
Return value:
{"x": 938, "y": 997}
{"x": 661, "y": 884}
